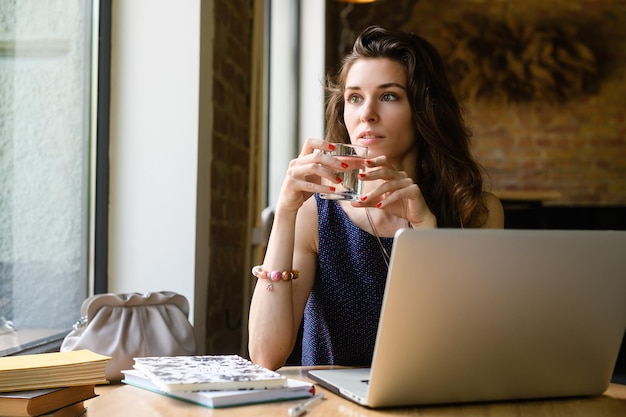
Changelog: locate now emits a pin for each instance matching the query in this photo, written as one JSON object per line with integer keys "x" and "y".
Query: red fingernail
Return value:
{"x": 368, "y": 162}
{"x": 379, "y": 205}
{"x": 338, "y": 179}
{"x": 364, "y": 198}
{"x": 344, "y": 165}
{"x": 361, "y": 175}
{"x": 332, "y": 189}
{"x": 331, "y": 147}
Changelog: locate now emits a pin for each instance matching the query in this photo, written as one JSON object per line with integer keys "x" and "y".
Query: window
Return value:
{"x": 296, "y": 63}
{"x": 47, "y": 167}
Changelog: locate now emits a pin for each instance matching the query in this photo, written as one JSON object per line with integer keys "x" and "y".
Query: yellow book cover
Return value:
{"x": 74, "y": 410}
{"x": 51, "y": 370}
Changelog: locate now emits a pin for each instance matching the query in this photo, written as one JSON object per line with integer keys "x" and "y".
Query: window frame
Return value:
{"x": 103, "y": 98}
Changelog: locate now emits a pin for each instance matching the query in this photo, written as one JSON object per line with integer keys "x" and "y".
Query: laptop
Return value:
{"x": 491, "y": 315}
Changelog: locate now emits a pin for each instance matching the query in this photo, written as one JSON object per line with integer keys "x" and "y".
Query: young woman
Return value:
{"x": 326, "y": 261}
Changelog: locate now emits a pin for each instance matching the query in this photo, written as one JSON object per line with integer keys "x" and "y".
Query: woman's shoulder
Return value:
{"x": 495, "y": 211}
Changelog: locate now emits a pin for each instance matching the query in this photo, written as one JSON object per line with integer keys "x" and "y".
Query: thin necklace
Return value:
{"x": 386, "y": 256}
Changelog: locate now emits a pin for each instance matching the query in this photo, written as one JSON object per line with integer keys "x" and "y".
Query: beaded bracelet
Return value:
{"x": 274, "y": 276}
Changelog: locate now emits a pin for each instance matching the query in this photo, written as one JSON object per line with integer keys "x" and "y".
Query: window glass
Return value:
{"x": 45, "y": 84}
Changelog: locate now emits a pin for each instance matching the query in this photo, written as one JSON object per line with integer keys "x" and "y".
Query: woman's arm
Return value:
{"x": 275, "y": 315}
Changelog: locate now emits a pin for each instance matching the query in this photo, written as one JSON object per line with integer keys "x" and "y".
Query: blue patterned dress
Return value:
{"x": 342, "y": 313}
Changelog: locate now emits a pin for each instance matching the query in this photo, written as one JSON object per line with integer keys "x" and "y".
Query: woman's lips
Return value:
{"x": 369, "y": 138}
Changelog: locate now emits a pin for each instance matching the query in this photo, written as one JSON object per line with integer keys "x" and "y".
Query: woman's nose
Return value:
{"x": 369, "y": 114}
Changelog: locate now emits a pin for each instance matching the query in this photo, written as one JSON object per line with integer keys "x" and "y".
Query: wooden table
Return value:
{"x": 125, "y": 401}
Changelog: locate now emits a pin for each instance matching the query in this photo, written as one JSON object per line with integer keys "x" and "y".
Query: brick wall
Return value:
{"x": 230, "y": 158}
{"x": 577, "y": 147}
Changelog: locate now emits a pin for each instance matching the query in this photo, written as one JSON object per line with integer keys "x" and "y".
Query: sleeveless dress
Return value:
{"x": 342, "y": 313}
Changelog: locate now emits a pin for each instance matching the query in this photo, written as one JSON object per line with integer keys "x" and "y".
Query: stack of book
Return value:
{"x": 214, "y": 381}
{"x": 50, "y": 384}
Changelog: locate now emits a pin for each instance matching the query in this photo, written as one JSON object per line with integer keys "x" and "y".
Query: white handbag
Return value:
{"x": 125, "y": 326}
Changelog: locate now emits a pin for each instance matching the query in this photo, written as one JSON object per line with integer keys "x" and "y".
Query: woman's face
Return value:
{"x": 377, "y": 112}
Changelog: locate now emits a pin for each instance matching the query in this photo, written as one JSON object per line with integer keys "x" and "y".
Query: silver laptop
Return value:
{"x": 488, "y": 315}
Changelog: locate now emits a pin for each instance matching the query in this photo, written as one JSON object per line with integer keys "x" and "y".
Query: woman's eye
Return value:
{"x": 389, "y": 97}
{"x": 353, "y": 99}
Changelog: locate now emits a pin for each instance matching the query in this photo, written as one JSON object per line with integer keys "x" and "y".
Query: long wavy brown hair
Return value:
{"x": 448, "y": 175}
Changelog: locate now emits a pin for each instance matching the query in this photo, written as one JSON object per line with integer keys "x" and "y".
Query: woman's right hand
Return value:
{"x": 303, "y": 177}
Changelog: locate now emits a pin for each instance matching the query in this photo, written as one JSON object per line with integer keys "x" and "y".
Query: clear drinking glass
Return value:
{"x": 351, "y": 187}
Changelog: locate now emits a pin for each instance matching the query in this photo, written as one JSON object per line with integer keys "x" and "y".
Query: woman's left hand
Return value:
{"x": 397, "y": 194}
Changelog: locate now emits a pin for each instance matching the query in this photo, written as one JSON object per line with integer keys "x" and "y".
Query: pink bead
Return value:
{"x": 276, "y": 276}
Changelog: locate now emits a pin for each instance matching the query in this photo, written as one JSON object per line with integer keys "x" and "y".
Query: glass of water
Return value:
{"x": 351, "y": 186}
